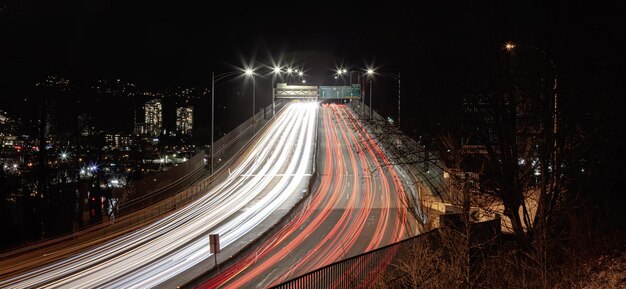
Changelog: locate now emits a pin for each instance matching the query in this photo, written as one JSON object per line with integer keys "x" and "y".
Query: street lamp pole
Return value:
{"x": 370, "y": 98}
{"x": 213, "y": 80}
{"x": 273, "y": 97}
{"x": 253, "y": 103}
{"x": 370, "y": 74}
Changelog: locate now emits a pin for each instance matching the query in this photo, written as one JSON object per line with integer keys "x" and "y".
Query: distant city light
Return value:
{"x": 300, "y": 73}
{"x": 63, "y": 155}
{"x": 370, "y": 71}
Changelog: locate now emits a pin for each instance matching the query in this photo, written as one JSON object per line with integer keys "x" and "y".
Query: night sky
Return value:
{"x": 444, "y": 50}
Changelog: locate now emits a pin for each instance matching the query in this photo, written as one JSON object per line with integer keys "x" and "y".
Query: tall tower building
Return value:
{"x": 184, "y": 120}
{"x": 154, "y": 117}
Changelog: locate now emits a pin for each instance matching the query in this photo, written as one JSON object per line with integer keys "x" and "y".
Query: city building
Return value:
{"x": 154, "y": 117}
{"x": 116, "y": 141}
{"x": 184, "y": 120}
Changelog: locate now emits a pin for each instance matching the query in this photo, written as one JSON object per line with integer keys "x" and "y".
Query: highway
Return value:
{"x": 358, "y": 205}
{"x": 272, "y": 169}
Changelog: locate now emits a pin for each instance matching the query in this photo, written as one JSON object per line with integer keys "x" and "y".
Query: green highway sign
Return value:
{"x": 340, "y": 92}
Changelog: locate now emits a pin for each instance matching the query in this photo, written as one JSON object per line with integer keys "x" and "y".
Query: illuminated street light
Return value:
{"x": 277, "y": 71}
{"x": 63, "y": 155}
{"x": 300, "y": 73}
{"x": 215, "y": 78}
{"x": 303, "y": 81}
{"x": 250, "y": 73}
{"x": 370, "y": 72}
{"x": 289, "y": 70}
{"x": 509, "y": 46}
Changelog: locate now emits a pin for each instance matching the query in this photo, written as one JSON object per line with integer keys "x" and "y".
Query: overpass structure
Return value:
{"x": 314, "y": 92}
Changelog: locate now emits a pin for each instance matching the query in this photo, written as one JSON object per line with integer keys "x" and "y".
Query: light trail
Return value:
{"x": 271, "y": 171}
{"x": 353, "y": 210}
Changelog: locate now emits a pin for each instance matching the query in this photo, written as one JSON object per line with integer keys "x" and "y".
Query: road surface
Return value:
{"x": 357, "y": 206}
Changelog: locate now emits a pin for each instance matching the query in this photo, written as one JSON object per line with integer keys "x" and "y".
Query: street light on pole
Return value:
{"x": 214, "y": 79}
{"x": 395, "y": 76}
{"x": 277, "y": 71}
{"x": 250, "y": 73}
{"x": 510, "y": 48}
{"x": 370, "y": 74}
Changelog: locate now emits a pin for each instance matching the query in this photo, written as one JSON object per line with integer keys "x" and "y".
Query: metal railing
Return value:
{"x": 363, "y": 270}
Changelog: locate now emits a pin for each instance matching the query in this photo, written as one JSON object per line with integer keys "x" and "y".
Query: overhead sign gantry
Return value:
{"x": 284, "y": 91}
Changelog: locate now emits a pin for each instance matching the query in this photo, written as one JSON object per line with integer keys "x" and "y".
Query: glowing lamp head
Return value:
{"x": 509, "y": 46}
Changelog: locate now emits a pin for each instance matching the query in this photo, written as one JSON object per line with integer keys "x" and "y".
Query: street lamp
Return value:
{"x": 277, "y": 71}
{"x": 370, "y": 75}
{"x": 340, "y": 73}
{"x": 250, "y": 73}
{"x": 548, "y": 157}
{"x": 214, "y": 79}
{"x": 396, "y": 76}
{"x": 510, "y": 47}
